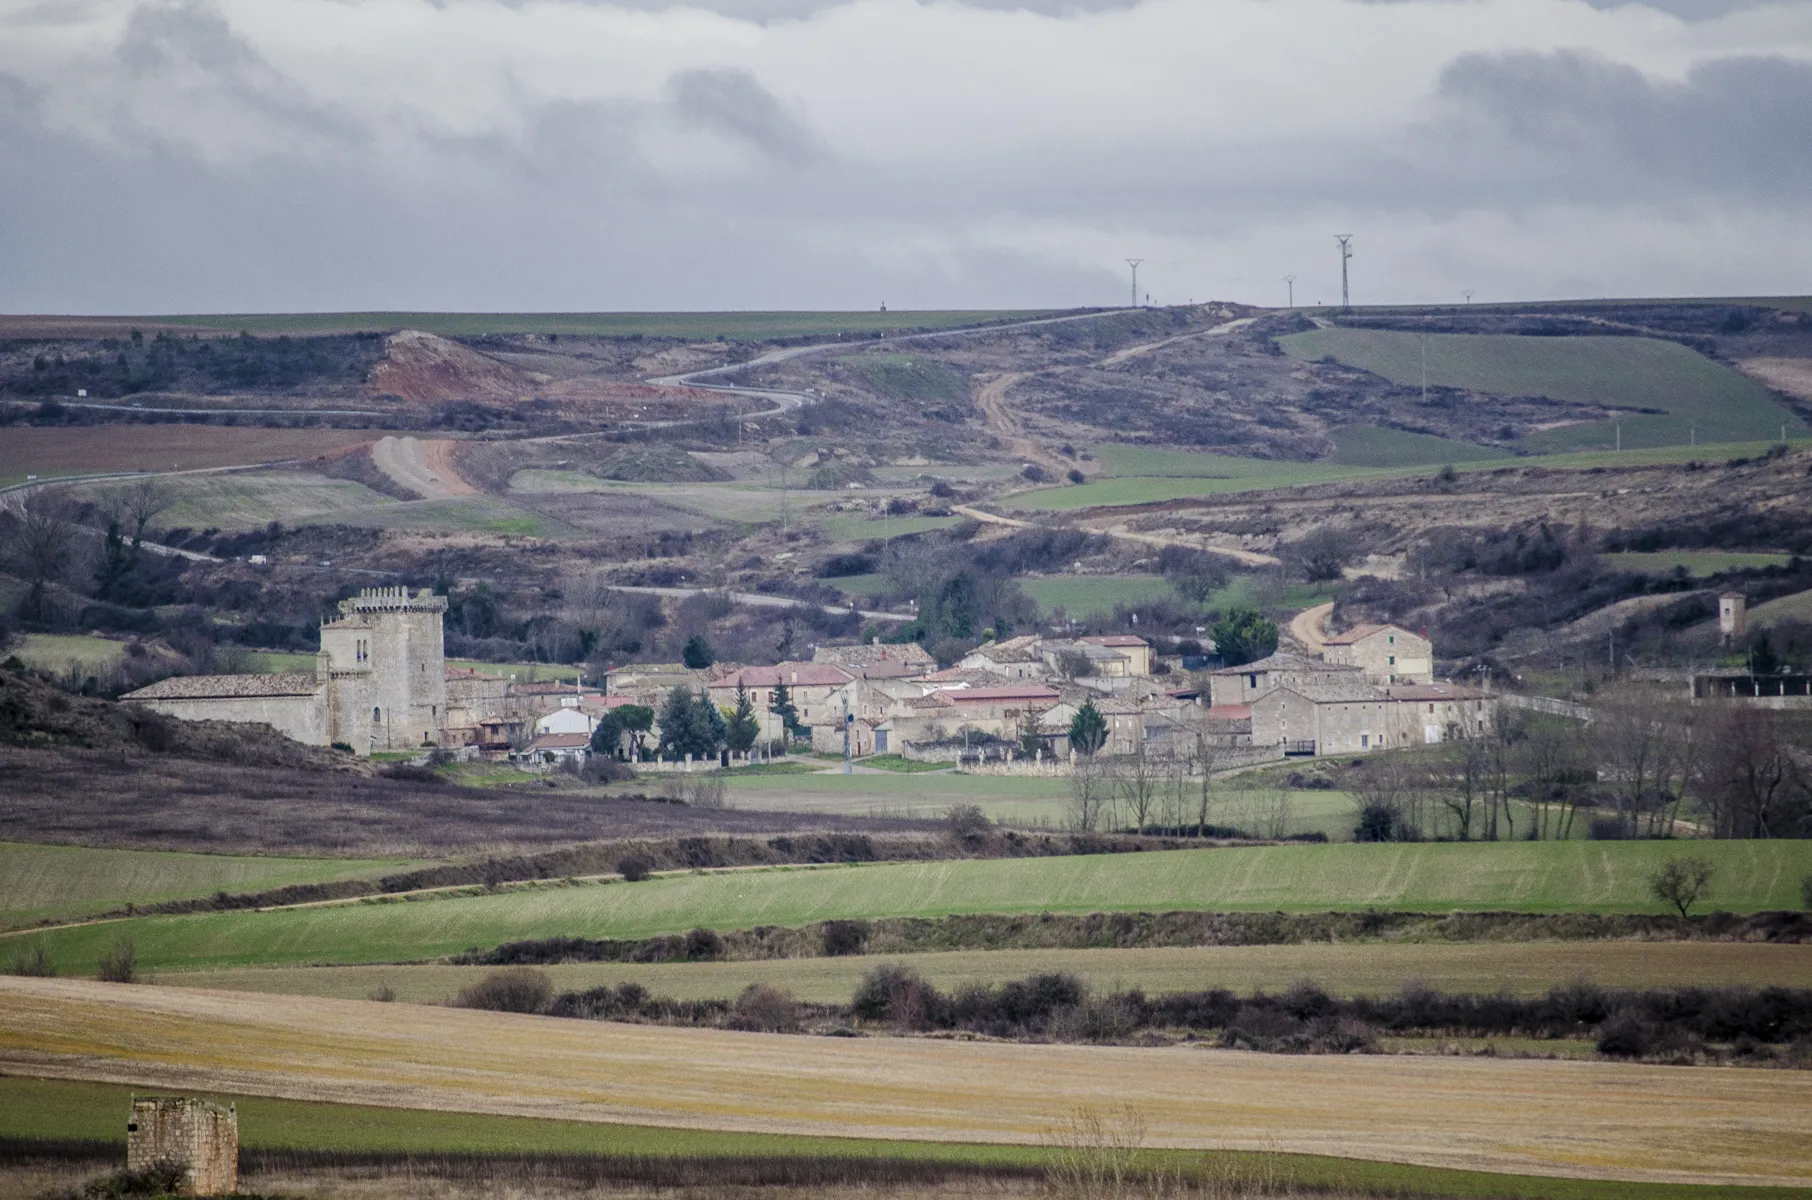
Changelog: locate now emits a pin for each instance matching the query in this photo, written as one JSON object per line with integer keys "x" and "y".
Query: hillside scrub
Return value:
{"x": 1739, "y": 1025}
{"x": 1050, "y": 931}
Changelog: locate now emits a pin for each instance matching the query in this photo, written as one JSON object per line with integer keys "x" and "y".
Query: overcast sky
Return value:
{"x": 287, "y": 155}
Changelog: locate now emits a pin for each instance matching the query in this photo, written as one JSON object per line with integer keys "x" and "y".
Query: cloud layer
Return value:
{"x": 230, "y": 155}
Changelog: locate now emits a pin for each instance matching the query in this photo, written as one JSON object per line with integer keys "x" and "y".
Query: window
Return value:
{"x": 376, "y": 715}
{"x": 1365, "y": 740}
{"x": 1252, "y": 681}
{"x": 1393, "y": 660}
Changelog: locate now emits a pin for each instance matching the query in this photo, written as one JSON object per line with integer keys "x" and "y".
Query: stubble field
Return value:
{"x": 1679, "y": 1124}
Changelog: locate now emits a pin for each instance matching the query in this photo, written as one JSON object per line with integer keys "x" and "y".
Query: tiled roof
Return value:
{"x": 792, "y": 674}
{"x": 227, "y": 687}
{"x": 862, "y": 655}
{"x": 1115, "y": 639}
{"x": 1330, "y": 691}
{"x": 995, "y": 695}
{"x": 1283, "y": 660}
{"x": 1229, "y": 712}
{"x": 560, "y": 741}
{"x": 1431, "y": 691}
{"x": 1360, "y": 632}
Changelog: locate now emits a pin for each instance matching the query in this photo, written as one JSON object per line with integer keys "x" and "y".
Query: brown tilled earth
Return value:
{"x": 47, "y": 449}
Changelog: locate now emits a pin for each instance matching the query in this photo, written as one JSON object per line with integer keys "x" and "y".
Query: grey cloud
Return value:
{"x": 730, "y": 100}
{"x": 1575, "y": 126}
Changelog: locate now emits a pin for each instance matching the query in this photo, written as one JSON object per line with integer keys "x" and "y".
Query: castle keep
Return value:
{"x": 379, "y": 683}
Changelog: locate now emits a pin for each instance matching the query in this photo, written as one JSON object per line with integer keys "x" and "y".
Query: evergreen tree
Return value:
{"x": 1088, "y": 729}
{"x": 698, "y": 653}
{"x": 784, "y": 708}
{"x": 741, "y": 728}
{"x": 1242, "y": 636}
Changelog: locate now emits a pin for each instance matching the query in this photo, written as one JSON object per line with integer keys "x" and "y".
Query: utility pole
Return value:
{"x": 1290, "y": 282}
{"x": 1425, "y": 367}
{"x": 848, "y": 728}
{"x": 1346, "y": 252}
{"x": 1134, "y": 264}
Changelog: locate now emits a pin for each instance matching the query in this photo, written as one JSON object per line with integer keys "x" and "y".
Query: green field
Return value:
{"x": 1370, "y": 446}
{"x": 64, "y": 1111}
{"x": 1344, "y": 969}
{"x": 54, "y": 651}
{"x": 1624, "y": 372}
{"x": 1697, "y": 562}
{"x": 1011, "y": 799}
{"x": 64, "y": 882}
{"x": 462, "y": 514}
{"x": 1145, "y": 476}
{"x": 732, "y": 326}
{"x": 1084, "y": 595}
{"x": 1797, "y": 607}
{"x": 249, "y": 499}
{"x": 1520, "y": 876}
{"x": 847, "y": 527}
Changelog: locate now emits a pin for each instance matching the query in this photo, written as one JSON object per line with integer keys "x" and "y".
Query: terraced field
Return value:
{"x": 1361, "y": 969}
{"x": 62, "y": 882}
{"x": 1604, "y": 1120}
{"x": 1607, "y": 877}
{"x": 1624, "y": 372}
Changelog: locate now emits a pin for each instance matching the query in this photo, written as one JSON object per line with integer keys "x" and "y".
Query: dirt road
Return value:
{"x": 424, "y": 467}
{"x": 1606, "y": 1120}
{"x": 1310, "y": 627}
{"x": 1143, "y": 348}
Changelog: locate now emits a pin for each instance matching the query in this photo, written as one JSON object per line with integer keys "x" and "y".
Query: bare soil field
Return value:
{"x": 163, "y": 802}
{"x": 1594, "y": 1120}
{"x": 49, "y": 449}
{"x": 1519, "y": 968}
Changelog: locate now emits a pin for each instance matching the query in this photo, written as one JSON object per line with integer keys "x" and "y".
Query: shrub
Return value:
{"x": 383, "y": 995}
{"x": 1627, "y": 1035}
{"x": 1076, "y": 476}
{"x": 120, "y": 964}
{"x": 513, "y": 990}
{"x": 968, "y": 821}
{"x": 35, "y": 961}
{"x": 703, "y": 944}
{"x": 1805, "y": 893}
{"x": 899, "y": 997}
{"x": 764, "y": 1009}
{"x": 601, "y": 768}
{"x": 845, "y": 938}
{"x": 634, "y": 869}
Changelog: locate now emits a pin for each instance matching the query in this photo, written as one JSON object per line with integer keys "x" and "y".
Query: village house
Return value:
{"x": 1384, "y": 653}
{"x": 1244, "y": 684}
{"x": 810, "y": 686}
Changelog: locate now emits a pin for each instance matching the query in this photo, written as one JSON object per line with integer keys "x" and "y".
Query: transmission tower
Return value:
{"x": 1134, "y": 264}
{"x": 1346, "y": 252}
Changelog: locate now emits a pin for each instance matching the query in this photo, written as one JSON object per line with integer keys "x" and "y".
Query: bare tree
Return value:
{"x": 1681, "y": 882}
{"x": 1755, "y": 780}
{"x": 1207, "y": 756}
{"x": 1641, "y": 747}
{"x": 1090, "y": 793}
{"x": 1387, "y": 799}
{"x": 1552, "y": 756}
{"x": 141, "y": 504}
{"x": 42, "y": 544}
{"x": 1137, "y": 783}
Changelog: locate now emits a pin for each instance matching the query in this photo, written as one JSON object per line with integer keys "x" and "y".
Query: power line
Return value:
{"x": 1346, "y": 252}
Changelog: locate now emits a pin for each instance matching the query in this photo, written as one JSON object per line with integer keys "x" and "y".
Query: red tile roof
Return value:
{"x": 792, "y": 674}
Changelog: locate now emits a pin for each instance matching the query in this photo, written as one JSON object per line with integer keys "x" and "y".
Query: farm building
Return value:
{"x": 1385, "y": 653}
{"x": 198, "y": 1138}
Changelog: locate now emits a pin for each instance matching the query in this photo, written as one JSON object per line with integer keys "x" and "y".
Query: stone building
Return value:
{"x": 1385, "y": 653}
{"x": 199, "y": 1138}
{"x": 379, "y": 683}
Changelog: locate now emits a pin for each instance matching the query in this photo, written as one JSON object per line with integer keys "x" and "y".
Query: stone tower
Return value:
{"x": 1733, "y": 615}
{"x": 200, "y": 1138}
{"x": 385, "y": 669}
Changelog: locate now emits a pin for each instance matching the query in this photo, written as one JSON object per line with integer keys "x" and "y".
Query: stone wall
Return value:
{"x": 303, "y": 718}
{"x": 200, "y": 1138}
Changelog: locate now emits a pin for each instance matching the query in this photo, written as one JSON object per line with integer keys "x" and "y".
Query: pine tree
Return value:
{"x": 1088, "y": 729}
{"x": 784, "y": 708}
{"x": 741, "y": 727}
